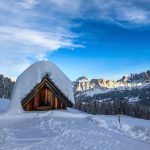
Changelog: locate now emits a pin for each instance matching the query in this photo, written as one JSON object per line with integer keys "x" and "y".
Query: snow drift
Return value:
{"x": 32, "y": 76}
{"x": 4, "y": 104}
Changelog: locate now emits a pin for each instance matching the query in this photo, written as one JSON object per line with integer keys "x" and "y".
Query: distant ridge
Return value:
{"x": 134, "y": 88}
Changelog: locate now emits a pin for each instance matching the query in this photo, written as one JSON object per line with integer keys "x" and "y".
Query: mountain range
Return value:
{"x": 134, "y": 88}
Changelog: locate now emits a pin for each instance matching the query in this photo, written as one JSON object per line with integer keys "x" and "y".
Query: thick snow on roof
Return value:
{"x": 32, "y": 76}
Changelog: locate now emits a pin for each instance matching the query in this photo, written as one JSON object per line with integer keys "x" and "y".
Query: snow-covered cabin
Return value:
{"x": 42, "y": 86}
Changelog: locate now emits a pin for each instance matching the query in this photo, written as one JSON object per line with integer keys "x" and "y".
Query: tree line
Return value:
{"x": 114, "y": 108}
{"x": 6, "y": 87}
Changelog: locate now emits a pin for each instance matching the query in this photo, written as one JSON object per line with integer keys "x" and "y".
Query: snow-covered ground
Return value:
{"x": 4, "y": 104}
{"x": 72, "y": 130}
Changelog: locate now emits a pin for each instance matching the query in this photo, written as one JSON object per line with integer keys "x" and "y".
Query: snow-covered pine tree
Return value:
{"x": 6, "y": 86}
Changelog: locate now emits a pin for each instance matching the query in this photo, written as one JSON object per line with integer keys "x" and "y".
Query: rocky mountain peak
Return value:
{"x": 143, "y": 77}
{"x": 83, "y": 83}
{"x": 82, "y": 79}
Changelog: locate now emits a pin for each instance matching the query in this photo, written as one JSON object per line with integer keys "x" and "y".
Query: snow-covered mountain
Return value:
{"x": 136, "y": 79}
{"x": 133, "y": 88}
{"x": 132, "y": 80}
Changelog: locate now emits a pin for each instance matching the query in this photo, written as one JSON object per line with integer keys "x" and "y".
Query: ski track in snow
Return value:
{"x": 62, "y": 130}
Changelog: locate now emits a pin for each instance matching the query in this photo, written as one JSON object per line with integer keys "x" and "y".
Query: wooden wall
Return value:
{"x": 44, "y": 100}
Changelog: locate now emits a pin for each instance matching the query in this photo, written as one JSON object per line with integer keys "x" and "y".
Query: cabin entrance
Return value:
{"x": 45, "y": 101}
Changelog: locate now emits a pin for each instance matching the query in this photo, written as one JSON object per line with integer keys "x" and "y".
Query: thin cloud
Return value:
{"x": 28, "y": 4}
{"x": 24, "y": 45}
{"x": 115, "y": 11}
{"x": 46, "y": 40}
{"x": 124, "y": 13}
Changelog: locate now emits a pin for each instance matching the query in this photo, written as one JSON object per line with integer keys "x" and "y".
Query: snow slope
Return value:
{"x": 72, "y": 130}
{"x": 4, "y": 104}
{"x": 32, "y": 76}
{"x": 94, "y": 91}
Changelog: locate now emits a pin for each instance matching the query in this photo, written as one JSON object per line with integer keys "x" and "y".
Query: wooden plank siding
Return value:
{"x": 44, "y": 98}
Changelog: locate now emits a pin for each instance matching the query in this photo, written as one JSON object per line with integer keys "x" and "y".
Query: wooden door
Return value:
{"x": 43, "y": 99}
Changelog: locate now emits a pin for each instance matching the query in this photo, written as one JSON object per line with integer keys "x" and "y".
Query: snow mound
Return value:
{"x": 135, "y": 128}
{"x": 32, "y": 76}
{"x": 4, "y": 104}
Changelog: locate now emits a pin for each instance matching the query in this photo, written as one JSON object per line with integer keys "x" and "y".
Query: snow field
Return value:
{"x": 72, "y": 130}
{"x": 135, "y": 128}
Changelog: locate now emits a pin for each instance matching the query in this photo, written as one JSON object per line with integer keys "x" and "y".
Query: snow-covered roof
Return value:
{"x": 32, "y": 76}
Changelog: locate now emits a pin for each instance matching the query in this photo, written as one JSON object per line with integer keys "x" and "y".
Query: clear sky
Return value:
{"x": 95, "y": 38}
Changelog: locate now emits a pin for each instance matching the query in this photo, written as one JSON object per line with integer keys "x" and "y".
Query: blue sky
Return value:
{"x": 96, "y": 38}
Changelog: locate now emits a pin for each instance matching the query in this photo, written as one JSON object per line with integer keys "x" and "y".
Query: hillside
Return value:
{"x": 134, "y": 88}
